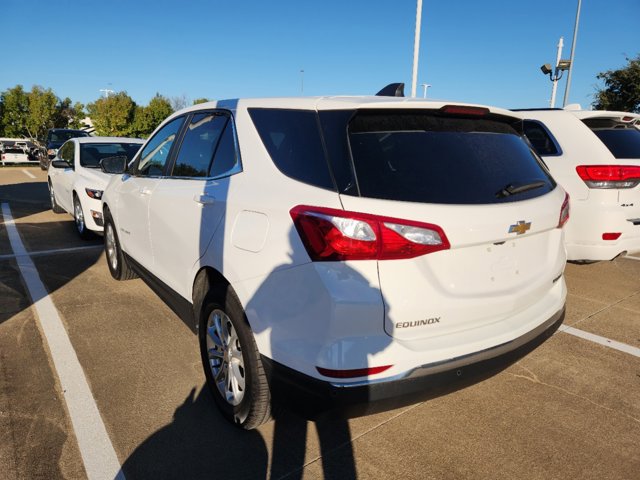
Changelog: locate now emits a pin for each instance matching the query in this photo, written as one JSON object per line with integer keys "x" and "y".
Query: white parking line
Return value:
{"x": 622, "y": 347}
{"x": 51, "y": 252}
{"x": 99, "y": 457}
{"x": 28, "y": 173}
{"x": 632, "y": 257}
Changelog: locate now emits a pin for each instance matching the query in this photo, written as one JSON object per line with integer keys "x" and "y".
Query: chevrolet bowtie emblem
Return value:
{"x": 520, "y": 227}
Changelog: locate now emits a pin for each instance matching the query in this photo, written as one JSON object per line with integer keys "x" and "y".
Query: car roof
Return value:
{"x": 106, "y": 140}
{"x": 622, "y": 116}
{"x": 335, "y": 103}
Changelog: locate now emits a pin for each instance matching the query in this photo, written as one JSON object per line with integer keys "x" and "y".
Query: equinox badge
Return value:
{"x": 520, "y": 227}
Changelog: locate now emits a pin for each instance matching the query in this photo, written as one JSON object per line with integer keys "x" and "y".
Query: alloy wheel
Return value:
{"x": 225, "y": 357}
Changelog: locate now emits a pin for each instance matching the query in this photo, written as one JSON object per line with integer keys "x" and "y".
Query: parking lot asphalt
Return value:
{"x": 570, "y": 409}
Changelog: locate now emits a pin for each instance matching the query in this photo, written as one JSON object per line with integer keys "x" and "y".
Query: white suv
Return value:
{"x": 595, "y": 156}
{"x": 343, "y": 249}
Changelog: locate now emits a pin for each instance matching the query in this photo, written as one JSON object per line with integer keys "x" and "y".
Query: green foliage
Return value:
{"x": 113, "y": 115}
{"x": 621, "y": 90}
{"x": 200, "y": 100}
{"x": 146, "y": 119}
{"x": 15, "y": 103}
{"x": 70, "y": 116}
{"x": 43, "y": 109}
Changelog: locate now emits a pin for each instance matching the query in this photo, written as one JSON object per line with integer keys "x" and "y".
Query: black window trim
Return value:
{"x": 237, "y": 168}
{"x": 548, "y": 132}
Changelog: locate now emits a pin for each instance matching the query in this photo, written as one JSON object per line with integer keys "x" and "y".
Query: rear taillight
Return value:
{"x": 564, "y": 211}
{"x": 611, "y": 235}
{"x": 609, "y": 176}
{"x": 334, "y": 235}
{"x": 357, "y": 372}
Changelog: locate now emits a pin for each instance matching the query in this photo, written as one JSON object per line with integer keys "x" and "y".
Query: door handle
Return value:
{"x": 204, "y": 199}
{"x": 144, "y": 191}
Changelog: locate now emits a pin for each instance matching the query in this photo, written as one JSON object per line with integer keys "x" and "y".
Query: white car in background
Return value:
{"x": 76, "y": 181}
{"x": 342, "y": 249}
{"x": 595, "y": 156}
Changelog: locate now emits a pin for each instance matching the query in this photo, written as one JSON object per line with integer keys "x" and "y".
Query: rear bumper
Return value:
{"x": 310, "y": 396}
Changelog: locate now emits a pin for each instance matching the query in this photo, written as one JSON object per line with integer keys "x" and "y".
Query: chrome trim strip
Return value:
{"x": 462, "y": 361}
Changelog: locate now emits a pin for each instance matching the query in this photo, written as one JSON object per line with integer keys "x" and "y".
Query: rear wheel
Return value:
{"x": 231, "y": 361}
{"x": 52, "y": 198}
{"x": 78, "y": 216}
{"x": 118, "y": 266}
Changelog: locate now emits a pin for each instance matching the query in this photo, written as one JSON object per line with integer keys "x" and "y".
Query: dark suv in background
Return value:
{"x": 55, "y": 138}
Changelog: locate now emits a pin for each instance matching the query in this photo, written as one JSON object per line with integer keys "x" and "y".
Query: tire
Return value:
{"x": 52, "y": 198}
{"x": 242, "y": 391}
{"x": 118, "y": 265}
{"x": 78, "y": 217}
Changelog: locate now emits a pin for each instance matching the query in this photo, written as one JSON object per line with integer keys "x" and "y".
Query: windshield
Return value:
{"x": 64, "y": 135}
{"x": 92, "y": 153}
{"x": 622, "y": 142}
{"x": 436, "y": 159}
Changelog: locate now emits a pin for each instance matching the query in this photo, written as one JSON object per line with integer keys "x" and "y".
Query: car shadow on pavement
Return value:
{"x": 199, "y": 443}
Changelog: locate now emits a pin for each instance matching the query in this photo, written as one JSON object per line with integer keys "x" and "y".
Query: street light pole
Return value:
{"x": 552, "y": 103}
{"x": 416, "y": 49}
{"x": 424, "y": 91}
{"x": 573, "y": 51}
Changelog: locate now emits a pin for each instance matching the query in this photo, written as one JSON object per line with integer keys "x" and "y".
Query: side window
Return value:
{"x": 155, "y": 154}
{"x": 540, "y": 138}
{"x": 66, "y": 153}
{"x": 199, "y": 145}
{"x": 292, "y": 138}
{"x": 225, "y": 157}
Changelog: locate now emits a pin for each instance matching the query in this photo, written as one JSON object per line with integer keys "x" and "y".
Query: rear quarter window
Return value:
{"x": 430, "y": 158}
{"x": 540, "y": 138}
{"x": 294, "y": 143}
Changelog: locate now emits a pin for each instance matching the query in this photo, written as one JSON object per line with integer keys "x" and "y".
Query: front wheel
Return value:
{"x": 52, "y": 198}
{"x": 231, "y": 361}
{"x": 118, "y": 265}
{"x": 78, "y": 216}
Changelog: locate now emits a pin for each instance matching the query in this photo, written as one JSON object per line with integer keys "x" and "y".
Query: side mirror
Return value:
{"x": 59, "y": 164}
{"x": 114, "y": 165}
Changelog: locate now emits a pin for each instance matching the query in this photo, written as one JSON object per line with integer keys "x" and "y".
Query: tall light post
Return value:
{"x": 573, "y": 51}
{"x": 555, "y": 74}
{"x": 416, "y": 48}
{"x": 425, "y": 86}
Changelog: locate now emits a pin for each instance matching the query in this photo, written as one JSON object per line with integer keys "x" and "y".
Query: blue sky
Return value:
{"x": 471, "y": 50}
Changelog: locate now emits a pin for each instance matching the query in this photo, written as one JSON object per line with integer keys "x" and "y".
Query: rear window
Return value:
{"x": 92, "y": 153}
{"x": 64, "y": 135}
{"x": 430, "y": 158}
{"x": 622, "y": 142}
{"x": 541, "y": 140}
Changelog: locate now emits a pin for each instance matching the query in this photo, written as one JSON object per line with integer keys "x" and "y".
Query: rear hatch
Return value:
{"x": 464, "y": 180}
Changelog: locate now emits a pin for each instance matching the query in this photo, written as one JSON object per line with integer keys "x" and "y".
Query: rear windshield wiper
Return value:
{"x": 516, "y": 189}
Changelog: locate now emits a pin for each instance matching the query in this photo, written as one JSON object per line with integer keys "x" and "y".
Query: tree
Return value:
{"x": 113, "y": 115}
{"x": 178, "y": 103}
{"x": 621, "y": 90}
{"x": 70, "y": 116}
{"x": 146, "y": 119}
{"x": 43, "y": 107}
{"x": 15, "y": 110}
{"x": 200, "y": 100}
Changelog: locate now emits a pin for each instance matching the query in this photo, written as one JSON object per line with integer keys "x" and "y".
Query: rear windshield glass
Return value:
{"x": 429, "y": 158}
{"x": 92, "y": 153}
{"x": 622, "y": 142}
{"x": 64, "y": 135}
